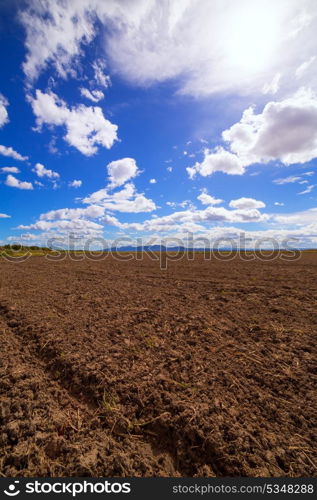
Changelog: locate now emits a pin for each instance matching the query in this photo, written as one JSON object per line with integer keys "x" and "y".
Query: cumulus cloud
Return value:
{"x": 92, "y": 95}
{"x": 86, "y": 127}
{"x": 207, "y": 199}
{"x": 10, "y": 170}
{"x": 10, "y": 152}
{"x": 93, "y": 212}
{"x": 14, "y": 182}
{"x": 75, "y": 183}
{"x": 152, "y": 181}
{"x": 285, "y": 130}
{"x": 246, "y": 203}
{"x": 145, "y": 43}
{"x": 301, "y": 218}
{"x": 120, "y": 171}
{"x": 41, "y": 171}
{"x": 218, "y": 160}
{"x": 67, "y": 226}
{"x": 4, "y": 216}
{"x": 4, "y": 117}
{"x": 194, "y": 220}
{"x": 126, "y": 200}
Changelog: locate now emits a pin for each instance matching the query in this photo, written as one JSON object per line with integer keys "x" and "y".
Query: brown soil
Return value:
{"x": 116, "y": 368}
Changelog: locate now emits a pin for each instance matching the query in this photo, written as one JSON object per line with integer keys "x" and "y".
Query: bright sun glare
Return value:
{"x": 254, "y": 35}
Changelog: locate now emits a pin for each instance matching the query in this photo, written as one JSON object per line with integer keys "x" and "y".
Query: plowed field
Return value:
{"x": 114, "y": 368}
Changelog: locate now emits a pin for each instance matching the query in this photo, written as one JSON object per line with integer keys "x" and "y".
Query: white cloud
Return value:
{"x": 99, "y": 75}
{"x": 10, "y": 152}
{"x": 126, "y": 200}
{"x": 41, "y": 171}
{"x": 169, "y": 169}
{"x": 298, "y": 218}
{"x": 4, "y": 117}
{"x": 93, "y": 212}
{"x": 285, "y": 131}
{"x": 14, "y": 182}
{"x": 86, "y": 126}
{"x": 218, "y": 160}
{"x": 77, "y": 225}
{"x": 273, "y": 86}
{"x": 4, "y": 216}
{"x": 291, "y": 179}
{"x": 75, "y": 183}
{"x": 278, "y": 204}
{"x": 54, "y": 33}
{"x": 152, "y": 181}
{"x": 185, "y": 219}
{"x": 10, "y": 170}
{"x": 120, "y": 171}
{"x": 237, "y": 48}
{"x": 207, "y": 199}
{"x": 92, "y": 95}
{"x": 308, "y": 189}
{"x": 287, "y": 180}
{"x": 304, "y": 66}
{"x": 182, "y": 204}
{"x": 246, "y": 203}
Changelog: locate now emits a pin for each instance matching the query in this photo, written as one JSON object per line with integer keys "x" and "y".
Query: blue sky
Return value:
{"x": 158, "y": 119}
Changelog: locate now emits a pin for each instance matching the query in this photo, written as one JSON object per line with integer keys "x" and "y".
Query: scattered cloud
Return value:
{"x": 93, "y": 212}
{"x": 92, "y": 95}
{"x": 78, "y": 226}
{"x": 273, "y": 86}
{"x": 308, "y": 189}
{"x": 285, "y": 131}
{"x": 182, "y": 204}
{"x": 218, "y": 160}
{"x": 14, "y": 182}
{"x": 278, "y": 204}
{"x": 41, "y": 171}
{"x": 5, "y": 216}
{"x": 152, "y": 181}
{"x": 11, "y": 153}
{"x": 207, "y": 199}
{"x": 120, "y": 171}
{"x": 4, "y": 117}
{"x": 86, "y": 126}
{"x": 10, "y": 170}
{"x": 100, "y": 77}
{"x": 246, "y": 203}
{"x": 126, "y": 200}
{"x": 75, "y": 183}
{"x": 146, "y": 42}
{"x": 304, "y": 66}
{"x": 192, "y": 219}
{"x": 287, "y": 180}
{"x": 291, "y": 179}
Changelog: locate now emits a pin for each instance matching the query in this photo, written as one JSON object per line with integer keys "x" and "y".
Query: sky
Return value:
{"x": 161, "y": 121}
